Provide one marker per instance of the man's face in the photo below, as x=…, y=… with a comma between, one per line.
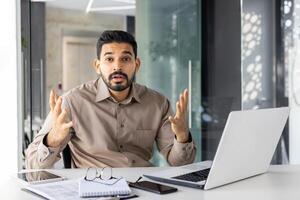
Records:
x=117, y=65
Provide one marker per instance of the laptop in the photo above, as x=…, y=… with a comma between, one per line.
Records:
x=246, y=148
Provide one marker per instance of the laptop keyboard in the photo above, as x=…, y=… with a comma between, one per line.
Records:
x=196, y=176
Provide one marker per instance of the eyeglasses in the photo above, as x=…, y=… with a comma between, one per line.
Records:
x=103, y=175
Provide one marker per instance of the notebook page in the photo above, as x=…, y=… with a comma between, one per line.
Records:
x=62, y=190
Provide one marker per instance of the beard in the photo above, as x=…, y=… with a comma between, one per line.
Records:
x=118, y=87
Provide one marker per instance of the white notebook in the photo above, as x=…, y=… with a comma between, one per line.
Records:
x=98, y=189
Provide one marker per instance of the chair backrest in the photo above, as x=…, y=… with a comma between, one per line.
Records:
x=66, y=154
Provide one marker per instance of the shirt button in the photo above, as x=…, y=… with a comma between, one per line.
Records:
x=122, y=125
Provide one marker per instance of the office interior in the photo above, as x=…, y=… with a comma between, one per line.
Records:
x=231, y=55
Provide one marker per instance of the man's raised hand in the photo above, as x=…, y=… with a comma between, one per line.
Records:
x=60, y=128
x=178, y=122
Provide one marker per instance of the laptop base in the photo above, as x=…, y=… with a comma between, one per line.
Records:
x=175, y=182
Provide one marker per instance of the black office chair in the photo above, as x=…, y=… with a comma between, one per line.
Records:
x=66, y=154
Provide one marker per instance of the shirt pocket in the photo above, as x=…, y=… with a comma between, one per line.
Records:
x=145, y=137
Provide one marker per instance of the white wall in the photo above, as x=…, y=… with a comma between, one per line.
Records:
x=292, y=60
x=8, y=88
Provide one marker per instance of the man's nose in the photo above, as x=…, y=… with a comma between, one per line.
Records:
x=117, y=65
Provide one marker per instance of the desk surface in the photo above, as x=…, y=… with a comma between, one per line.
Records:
x=281, y=182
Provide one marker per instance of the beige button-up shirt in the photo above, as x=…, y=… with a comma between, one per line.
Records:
x=110, y=133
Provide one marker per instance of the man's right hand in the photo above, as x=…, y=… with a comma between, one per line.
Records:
x=60, y=128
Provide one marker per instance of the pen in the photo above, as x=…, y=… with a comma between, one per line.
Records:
x=129, y=197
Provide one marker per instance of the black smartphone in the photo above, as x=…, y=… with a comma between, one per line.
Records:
x=153, y=187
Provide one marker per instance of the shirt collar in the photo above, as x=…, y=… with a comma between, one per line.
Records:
x=103, y=92
x=135, y=93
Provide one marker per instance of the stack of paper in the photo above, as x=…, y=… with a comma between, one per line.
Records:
x=79, y=188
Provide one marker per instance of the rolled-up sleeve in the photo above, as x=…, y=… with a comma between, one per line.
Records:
x=176, y=153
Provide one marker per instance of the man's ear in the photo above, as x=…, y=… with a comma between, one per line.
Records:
x=137, y=64
x=96, y=65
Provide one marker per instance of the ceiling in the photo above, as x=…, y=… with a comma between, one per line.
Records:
x=118, y=7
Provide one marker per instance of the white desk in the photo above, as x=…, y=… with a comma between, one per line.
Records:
x=281, y=182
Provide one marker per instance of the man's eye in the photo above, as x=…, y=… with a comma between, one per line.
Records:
x=109, y=59
x=126, y=59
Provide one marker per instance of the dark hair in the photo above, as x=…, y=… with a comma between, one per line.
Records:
x=116, y=36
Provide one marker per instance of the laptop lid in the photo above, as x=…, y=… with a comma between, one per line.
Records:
x=247, y=145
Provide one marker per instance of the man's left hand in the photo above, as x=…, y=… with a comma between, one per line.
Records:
x=178, y=122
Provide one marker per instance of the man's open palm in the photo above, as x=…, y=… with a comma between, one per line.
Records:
x=178, y=122
x=60, y=128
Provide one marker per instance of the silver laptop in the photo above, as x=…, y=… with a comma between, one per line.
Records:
x=246, y=148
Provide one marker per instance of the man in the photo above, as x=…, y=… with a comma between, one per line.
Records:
x=113, y=121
